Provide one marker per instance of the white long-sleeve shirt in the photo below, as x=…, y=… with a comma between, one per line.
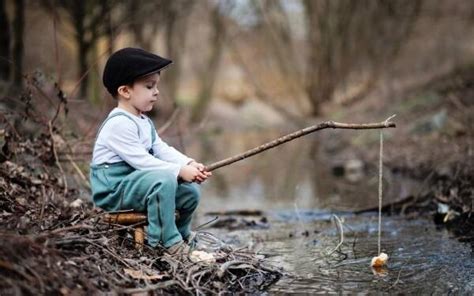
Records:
x=120, y=139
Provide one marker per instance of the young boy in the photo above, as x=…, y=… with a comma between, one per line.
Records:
x=132, y=168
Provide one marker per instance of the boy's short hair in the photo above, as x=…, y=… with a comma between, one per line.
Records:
x=127, y=64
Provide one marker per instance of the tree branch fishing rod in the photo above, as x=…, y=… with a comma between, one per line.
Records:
x=297, y=134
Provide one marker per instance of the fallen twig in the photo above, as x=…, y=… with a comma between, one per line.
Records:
x=396, y=281
x=56, y=158
x=341, y=233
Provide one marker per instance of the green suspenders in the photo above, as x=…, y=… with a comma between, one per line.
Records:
x=153, y=136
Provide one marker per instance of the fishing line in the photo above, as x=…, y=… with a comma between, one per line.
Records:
x=380, y=183
x=380, y=189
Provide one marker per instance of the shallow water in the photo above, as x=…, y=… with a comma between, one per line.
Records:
x=299, y=186
x=423, y=260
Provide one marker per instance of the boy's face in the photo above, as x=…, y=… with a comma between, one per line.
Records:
x=144, y=93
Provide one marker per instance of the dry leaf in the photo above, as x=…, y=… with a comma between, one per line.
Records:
x=201, y=256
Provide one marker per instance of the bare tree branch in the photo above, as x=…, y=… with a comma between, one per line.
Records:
x=297, y=134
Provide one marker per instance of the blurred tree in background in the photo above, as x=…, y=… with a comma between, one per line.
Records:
x=239, y=65
x=4, y=43
x=348, y=36
x=90, y=20
x=294, y=56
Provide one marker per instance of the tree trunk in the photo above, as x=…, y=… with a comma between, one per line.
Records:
x=345, y=37
x=175, y=35
x=83, y=51
x=321, y=80
x=109, y=31
x=212, y=67
x=136, y=25
x=18, y=42
x=4, y=43
x=83, y=47
x=320, y=72
x=173, y=49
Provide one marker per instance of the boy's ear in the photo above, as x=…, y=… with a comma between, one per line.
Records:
x=124, y=91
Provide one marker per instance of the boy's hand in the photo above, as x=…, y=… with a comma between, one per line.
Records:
x=197, y=165
x=201, y=168
x=191, y=173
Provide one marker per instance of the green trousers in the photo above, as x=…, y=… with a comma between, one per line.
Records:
x=121, y=187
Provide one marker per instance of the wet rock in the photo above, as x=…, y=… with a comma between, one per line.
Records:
x=430, y=124
x=352, y=170
x=241, y=223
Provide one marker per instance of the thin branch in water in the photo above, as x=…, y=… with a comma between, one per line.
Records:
x=341, y=233
x=397, y=280
x=206, y=224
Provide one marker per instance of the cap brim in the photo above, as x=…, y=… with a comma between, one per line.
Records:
x=157, y=70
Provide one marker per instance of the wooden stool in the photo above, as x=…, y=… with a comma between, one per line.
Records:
x=132, y=218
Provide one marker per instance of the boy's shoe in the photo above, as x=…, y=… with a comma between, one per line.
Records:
x=191, y=239
x=180, y=248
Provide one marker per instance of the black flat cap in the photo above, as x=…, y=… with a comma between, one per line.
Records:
x=127, y=64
